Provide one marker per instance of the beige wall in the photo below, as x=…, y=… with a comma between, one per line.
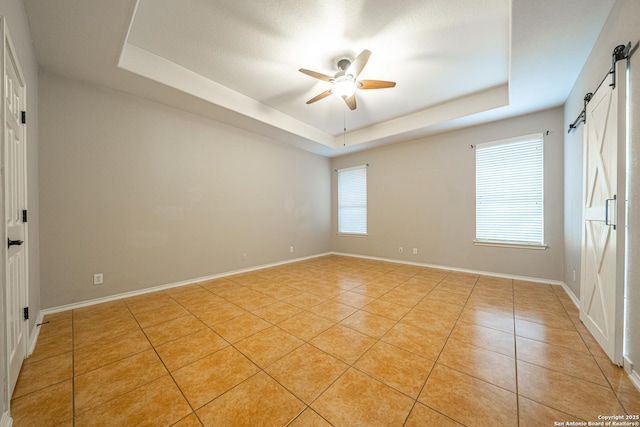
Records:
x=421, y=194
x=150, y=195
x=13, y=11
x=620, y=28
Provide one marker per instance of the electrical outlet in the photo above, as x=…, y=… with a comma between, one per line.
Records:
x=291, y=249
x=244, y=256
x=98, y=279
x=415, y=251
x=400, y=249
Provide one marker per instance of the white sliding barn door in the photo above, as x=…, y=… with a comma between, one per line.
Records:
x=15, y=202
x=602, y=285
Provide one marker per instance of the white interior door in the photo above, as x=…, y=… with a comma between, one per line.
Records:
x=601, y=290
x=15, y=202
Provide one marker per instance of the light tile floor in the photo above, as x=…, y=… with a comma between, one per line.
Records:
x=329, y=341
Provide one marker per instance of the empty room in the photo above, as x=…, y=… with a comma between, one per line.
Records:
x=320, y=213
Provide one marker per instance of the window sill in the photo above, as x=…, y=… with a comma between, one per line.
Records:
x=534, y=246
x=351, y=235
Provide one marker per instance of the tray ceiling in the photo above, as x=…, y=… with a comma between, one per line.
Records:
x=456, y=62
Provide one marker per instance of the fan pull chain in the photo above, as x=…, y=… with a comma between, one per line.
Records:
x=344, y=130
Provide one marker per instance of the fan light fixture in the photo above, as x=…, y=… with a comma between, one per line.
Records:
x=344, y=87
x=344, y=83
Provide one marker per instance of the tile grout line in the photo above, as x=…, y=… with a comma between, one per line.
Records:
x=547, y=368
x=306, y=406
x=593, y=356
x=333, y=281
x=73, y=369
x=515, y=350
x=349, y=366
x=352, y=365
x=588, y=353
x=448, y=337
x=193, y=411
x=415, y=401
x=424, y=384
x=119, y=360
x=230, y=344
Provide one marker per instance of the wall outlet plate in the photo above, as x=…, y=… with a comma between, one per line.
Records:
x=98, y=279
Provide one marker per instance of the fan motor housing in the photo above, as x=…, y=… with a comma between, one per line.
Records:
x=343, y=64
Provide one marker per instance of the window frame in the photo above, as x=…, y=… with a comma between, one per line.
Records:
x=351, y=232
x=514, y=243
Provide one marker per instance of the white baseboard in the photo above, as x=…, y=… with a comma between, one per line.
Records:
x=635, y=378
x=33, y=334
x=462, y=270
x=6, y=420
x=115, y=297
x=627, y=364
x=573, y=297
x=633, y=374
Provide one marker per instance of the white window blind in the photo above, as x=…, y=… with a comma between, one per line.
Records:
x=352, y=200
x=509, y=191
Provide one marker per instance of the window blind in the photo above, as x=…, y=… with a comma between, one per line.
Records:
x=352, y=200
x=509, y=191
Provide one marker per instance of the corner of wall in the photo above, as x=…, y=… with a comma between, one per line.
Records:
x=5, y=420
x=574, y=298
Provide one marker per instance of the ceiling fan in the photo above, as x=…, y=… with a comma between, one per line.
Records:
x=344, y=83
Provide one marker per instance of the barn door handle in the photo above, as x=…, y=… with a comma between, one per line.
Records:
x=606, y=211
x=14, y=243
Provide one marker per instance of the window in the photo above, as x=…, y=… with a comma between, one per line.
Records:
x=352, y=200
x=509, y=192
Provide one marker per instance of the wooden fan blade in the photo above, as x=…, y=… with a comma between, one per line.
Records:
x=351, y=102
x=375, y=84
x=319, y=96
x=358, y=64
x=316, y=75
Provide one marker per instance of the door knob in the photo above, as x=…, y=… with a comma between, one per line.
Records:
x=14, y=243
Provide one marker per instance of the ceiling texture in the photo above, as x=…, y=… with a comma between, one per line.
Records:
x=456, y=62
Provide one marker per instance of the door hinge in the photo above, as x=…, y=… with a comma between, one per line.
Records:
x=25, y=311
x=23, y=117
x=24, y=215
